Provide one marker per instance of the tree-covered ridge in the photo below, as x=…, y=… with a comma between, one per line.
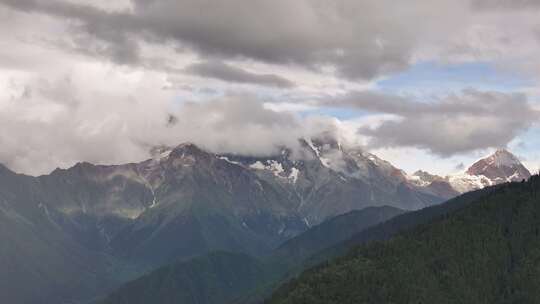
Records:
x=218, y=277
x=331, y=233
x=488, y=252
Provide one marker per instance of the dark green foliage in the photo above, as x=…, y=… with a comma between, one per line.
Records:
x=215, y=278
x=288, y=259
x=296, y=258
x=487, y=252
x=396, y=225
x=331, y=232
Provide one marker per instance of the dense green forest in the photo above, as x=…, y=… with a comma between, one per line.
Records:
x=487, y=252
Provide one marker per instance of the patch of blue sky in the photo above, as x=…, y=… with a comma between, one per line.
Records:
x=337, y=112
x=428, y=79
x=527, y=145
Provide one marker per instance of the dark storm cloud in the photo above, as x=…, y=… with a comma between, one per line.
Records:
x=225, y=72
x=358, y=38
x=95, y=31
x=455, y=124
x=361, y=39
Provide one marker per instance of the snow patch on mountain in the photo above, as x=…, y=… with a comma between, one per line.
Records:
x=273, y=166
x=257, y=166
x=417, y=180
x=312, y=146
x=161, y=152
x=465, y=182
x=225, y=158
x=294, y=175
x=423, y=178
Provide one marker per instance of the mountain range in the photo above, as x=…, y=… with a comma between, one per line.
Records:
x=485, y=252
x=224, y=277
x=331, y=239
x=78, y=233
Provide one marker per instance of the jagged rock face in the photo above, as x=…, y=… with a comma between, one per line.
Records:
x=201, y=203
x=500, y=167
x=326, y=179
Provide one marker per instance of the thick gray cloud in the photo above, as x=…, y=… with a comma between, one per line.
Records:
x=506, y=4
x=241, y=124
x=361, y=39
x=356, y=39
x=56, y=123
x=454, y=124
x=95, y=31
x=225, y=72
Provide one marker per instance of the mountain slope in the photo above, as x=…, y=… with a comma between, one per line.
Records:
x=331, y=232
x=487, y=252
x=247, y=204
x=38, y=259
x=326, y=179
x=336, y=236
x=273, y=268
x=215, y=278
x=114, y=221
x=203, y=203
x=379, y=232
x=399, y=224
x=77, y=233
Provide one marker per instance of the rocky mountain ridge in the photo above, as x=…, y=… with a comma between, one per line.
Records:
x=499, y=167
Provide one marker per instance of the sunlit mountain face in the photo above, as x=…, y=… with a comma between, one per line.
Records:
x=160, y=143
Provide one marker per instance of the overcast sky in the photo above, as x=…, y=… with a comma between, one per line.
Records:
x=425, y=84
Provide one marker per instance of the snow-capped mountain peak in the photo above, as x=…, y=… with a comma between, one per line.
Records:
x=501, y=166
x=501, y=158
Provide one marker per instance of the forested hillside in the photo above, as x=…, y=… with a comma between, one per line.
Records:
x=215, y=278
x=487, y=252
